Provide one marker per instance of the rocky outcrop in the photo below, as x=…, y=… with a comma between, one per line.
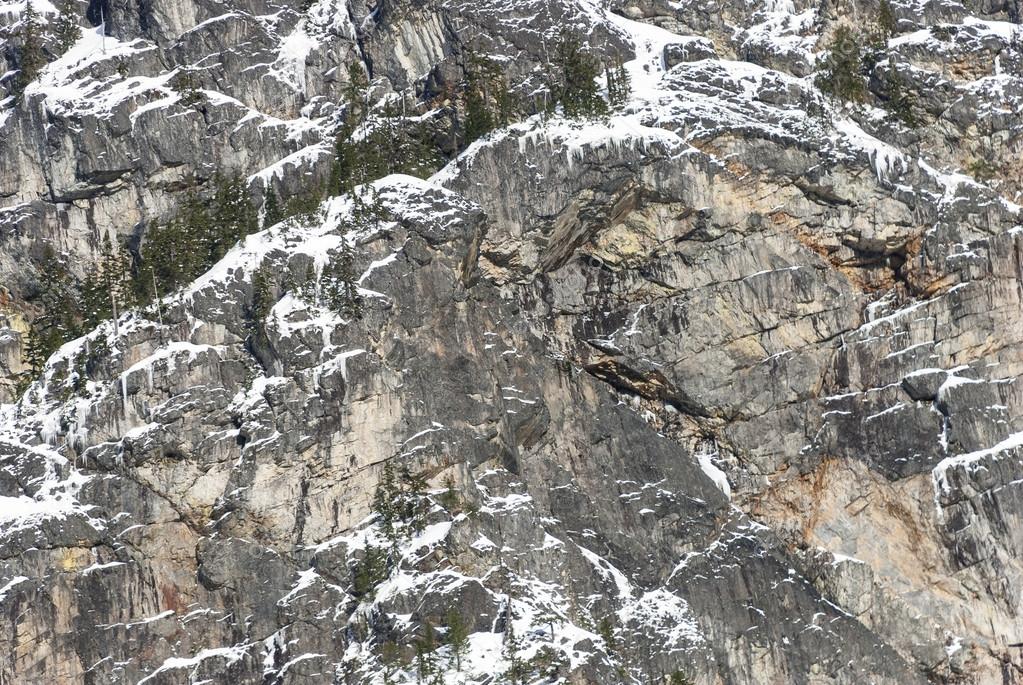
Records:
x=723, y=386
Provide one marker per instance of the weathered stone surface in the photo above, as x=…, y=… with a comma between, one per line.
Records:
x=727, y=383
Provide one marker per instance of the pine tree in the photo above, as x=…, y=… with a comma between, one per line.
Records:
x=547, y=662
x=547, y=618
x=874, y=43
x=107, y=290
x=400, y=500
x=58, y=298
x=168, y=257
x=389, y=657
x=189, y=89
x=273, y=213
x=839, y=72
x=488, y=102
x=369, y=571
x=95, y=304
x=385, y=499
x=619, y=84
x=307, y=290
x=338, y=288
x=345, y=171
x=479, y=121
x=886, y=23
x=421, y=159
x=36, y=350
x=262, y=295
x=413, y=501
x=607, y=632
x=366, y=213
x=354, y=94
x=899, y=100
x=679, y=678
x=577, y=89
x=449, y=499
x=517, y=671
x=426, y=661
x=306, y=205
x=234, y=216
x=31, y=58
x=457, y=636
x=67, y=29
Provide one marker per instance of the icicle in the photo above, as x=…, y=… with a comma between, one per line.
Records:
x=327, y=345
x=318, y=266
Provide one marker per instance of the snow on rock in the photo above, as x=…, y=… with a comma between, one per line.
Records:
x=972, y=461
x=665, y=615
x=717, y=476
x=886, y=160
x=229, y=655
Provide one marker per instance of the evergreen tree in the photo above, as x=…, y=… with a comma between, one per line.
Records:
x=169, y=256
x=886, y=23
x=414, y=504
x=517, y=671
x=107, y=289
x=304, y=206
x=31, y=58
x=839, y=72
x=417, y=151
x=426, y=660
x=344, y=168
x=457, y=636
x=307, y=289
x=389, y=657
x=875, y=43
x=59, y=301
x=547, y=662
x=390, y=143
x=338, y=288
x=488, y=102
x=385, y=500
x=479, y=121
x=366, y=213
x=369, y=571
x=449, y=499
x=273, y=213
x=262, y=295
x=199, y=235
x=233, y=217
x=346, y=171
x=607, y=632
x=400, y=500
x=67, y=29
x=619, y=84
x=576, y=89
x=189, y=89
x=899, y=100
x=547, y=618
x=679, y=678
x=355, y=93
x=36, y=350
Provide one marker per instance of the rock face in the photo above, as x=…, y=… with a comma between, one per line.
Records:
x=722, y=388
